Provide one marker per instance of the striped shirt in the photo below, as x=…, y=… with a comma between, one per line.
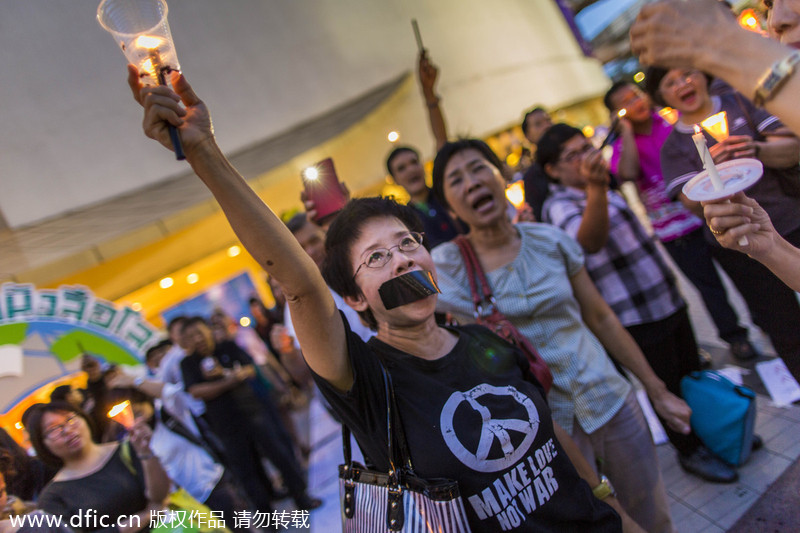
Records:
x=535, y=293
x=629, y=271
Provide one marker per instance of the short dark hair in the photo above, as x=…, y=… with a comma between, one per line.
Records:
x=33, y=423
x=448, y=151
x=60, y=393
x=396, y=152
x=537, y=109
x=7, y=469
x=151, y=352
x=177, y=321
x=652, y=80
x=551, y=145
x=610, y=93
x=297, y=222
x=193, y=320
x=337, y=268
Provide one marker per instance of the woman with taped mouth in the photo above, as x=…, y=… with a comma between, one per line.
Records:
x=470, y=408
x=540, y=283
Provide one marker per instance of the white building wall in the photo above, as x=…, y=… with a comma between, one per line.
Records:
x=71, y=134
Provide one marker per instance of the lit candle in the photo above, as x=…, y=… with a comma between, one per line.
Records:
x=717, y=126
x=122, y=414
x=669, y=114
x=515, y=193
x=705, y=156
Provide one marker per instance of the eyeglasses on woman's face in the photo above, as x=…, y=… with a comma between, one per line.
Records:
x=577, y=154
x=54, y=432
x=378, y=257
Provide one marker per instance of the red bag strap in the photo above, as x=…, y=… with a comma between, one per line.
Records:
x=475, y=275
x=463, y=248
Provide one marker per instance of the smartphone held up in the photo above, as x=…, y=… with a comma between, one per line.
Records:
x=322, y=186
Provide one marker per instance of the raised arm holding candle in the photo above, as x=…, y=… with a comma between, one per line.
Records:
x=142, y=32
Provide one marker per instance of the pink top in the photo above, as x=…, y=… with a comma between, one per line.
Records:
x=670, y=219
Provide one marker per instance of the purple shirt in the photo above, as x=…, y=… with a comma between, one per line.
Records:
x=670, y=219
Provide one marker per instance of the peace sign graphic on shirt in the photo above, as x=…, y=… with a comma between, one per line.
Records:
x=514, y=436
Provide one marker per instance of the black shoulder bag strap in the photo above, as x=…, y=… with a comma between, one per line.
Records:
x=398, y=456
x=176, y=426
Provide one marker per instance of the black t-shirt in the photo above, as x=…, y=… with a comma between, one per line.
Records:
x=115, y=490
x=436, y=223
x=234, y=405
x=477, y=416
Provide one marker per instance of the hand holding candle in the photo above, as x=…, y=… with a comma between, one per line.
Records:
x=708, y=163
x=141, y=30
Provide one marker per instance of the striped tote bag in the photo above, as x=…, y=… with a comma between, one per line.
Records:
x=398, y=500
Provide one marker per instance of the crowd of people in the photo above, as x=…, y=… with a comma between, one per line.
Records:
x=586, y=284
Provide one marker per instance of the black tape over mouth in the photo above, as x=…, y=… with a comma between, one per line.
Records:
x=407, y=288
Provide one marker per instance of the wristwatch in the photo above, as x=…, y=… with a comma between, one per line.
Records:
x=604, y=489
x=774, y=78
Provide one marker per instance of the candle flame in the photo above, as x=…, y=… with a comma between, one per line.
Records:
x=748, y=19
x=148, y=41
x=149, y=68
x=717, y=126
x=696, y=129
x=515, y=193
x=622, y=112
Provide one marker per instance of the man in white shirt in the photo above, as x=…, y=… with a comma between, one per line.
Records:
x=169, y=371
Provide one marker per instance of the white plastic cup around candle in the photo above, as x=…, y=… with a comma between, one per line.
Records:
x=141, y=30
x=122, y=413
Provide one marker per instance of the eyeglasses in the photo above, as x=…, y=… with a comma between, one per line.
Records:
x=380, y=256
x=631, y=98
x=569, y=157
x=58, y=430
x=670, y=83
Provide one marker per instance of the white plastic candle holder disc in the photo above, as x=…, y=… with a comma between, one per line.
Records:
x=736, y=175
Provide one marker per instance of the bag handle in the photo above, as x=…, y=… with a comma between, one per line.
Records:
x=395, y=514
x=397, y=444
